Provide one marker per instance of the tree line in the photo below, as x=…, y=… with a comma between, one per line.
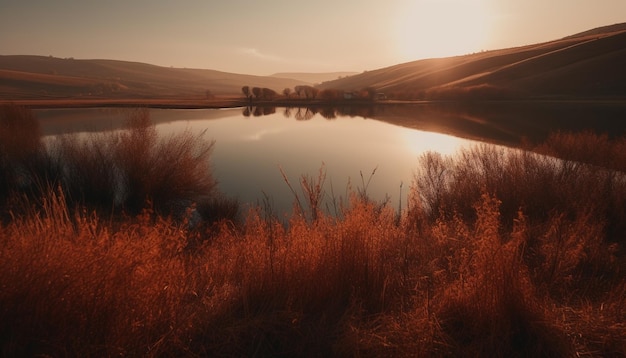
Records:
x=258, y=93
x=309, y=93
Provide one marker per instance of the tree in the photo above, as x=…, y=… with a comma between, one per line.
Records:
x=331, y=94
x=308, y=91
x=287, y=92
x=299, y=90
x=314, y=91
x=246, y=91
x=257, y=92
x=268, y=93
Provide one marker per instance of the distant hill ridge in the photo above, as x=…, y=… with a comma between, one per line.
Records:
x=25, y=76
x=599, y=31
x=589, y=64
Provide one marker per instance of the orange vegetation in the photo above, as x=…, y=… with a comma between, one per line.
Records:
x=498, y=253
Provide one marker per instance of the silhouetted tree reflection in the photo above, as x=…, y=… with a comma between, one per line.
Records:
x=258, y=111
x=356, y=111
x=307, y=113
x=328, y=113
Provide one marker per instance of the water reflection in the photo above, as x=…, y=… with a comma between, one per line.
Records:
x=251, y=152
x=258, y=111
x=507, y=123
x=308, y=112
x=254, y=143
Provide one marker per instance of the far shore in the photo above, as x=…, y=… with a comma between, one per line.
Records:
x=233, y=101
x=186, y=103
x=504, y=122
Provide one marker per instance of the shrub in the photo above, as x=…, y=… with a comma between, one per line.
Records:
x=110, y=172
x=135, y=167
x=89, y=173
x=537, y=184
x=20, y=151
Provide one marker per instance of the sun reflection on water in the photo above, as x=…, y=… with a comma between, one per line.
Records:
x=419, y=142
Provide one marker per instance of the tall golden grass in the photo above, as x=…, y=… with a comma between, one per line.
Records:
x=498, y=253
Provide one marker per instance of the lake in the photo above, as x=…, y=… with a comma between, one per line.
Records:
x=251, y=149
x=255, y=146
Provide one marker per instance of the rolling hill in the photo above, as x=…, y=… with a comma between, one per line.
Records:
x=589, y=65
x=28, y=77
x=314, y=78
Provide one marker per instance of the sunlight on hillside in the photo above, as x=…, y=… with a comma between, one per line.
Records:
x=428, y=29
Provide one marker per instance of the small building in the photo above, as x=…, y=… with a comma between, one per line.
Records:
x=349, y=95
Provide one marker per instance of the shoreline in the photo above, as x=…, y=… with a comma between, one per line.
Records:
x=229, y=102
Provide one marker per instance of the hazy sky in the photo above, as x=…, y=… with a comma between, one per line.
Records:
x=268, y=36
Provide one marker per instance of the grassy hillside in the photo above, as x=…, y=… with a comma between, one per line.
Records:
x=313, y=77
x=27, y=77
x=601, y=30
x=586, y=65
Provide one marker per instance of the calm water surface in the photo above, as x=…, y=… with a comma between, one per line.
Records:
x=251, y=151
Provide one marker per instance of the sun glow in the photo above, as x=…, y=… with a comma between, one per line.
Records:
x=441, y=28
